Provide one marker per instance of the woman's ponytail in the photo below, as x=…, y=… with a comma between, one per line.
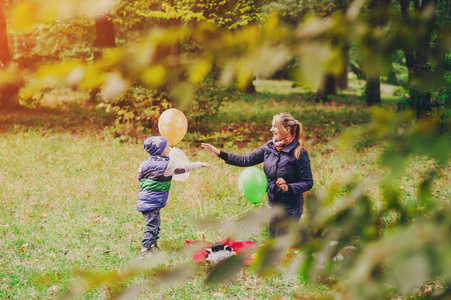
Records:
x=299, y=135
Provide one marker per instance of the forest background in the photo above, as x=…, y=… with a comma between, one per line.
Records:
x=82, y=83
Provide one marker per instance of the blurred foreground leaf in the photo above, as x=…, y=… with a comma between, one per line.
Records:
x=226, y=269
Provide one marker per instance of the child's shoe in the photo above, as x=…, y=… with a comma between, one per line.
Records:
x=148, y=252
x=154, y=247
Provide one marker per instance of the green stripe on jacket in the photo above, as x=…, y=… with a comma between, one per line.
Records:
x=152, y=185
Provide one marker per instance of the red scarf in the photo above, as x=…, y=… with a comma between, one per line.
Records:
x=281, y=144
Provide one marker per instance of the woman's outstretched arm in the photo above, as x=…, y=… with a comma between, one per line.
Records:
x=254, y=158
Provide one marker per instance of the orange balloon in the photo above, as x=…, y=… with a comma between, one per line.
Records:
x=172, y=125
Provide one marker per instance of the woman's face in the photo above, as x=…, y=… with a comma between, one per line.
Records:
x=279, y=132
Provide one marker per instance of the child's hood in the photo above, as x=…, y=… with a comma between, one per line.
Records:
x=155, y=145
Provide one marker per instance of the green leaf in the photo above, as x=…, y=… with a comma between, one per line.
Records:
x=391, y=196
x=409, y=272
x=395, y=161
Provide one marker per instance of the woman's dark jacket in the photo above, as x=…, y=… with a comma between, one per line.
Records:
x=296, y=172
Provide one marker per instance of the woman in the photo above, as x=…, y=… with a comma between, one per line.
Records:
x=287, y=167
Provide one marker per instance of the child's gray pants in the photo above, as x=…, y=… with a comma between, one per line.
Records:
x=153, y=221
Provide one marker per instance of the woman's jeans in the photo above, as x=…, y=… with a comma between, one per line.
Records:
x=277, y=224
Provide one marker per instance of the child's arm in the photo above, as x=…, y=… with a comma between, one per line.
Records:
x=174, y=168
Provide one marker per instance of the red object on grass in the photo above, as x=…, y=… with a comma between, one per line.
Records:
x=237, y=247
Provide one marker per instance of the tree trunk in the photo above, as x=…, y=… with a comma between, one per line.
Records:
x=417, y=59
x=328, y=85
x=326, y=88
x=105, y=32
x=357, y=71
x=422, y=102
x=9, y=95
x=5, y=56
x=251, y=88
x=342, y=81
x=8, y=92
x=105, y=38
x=373, y=91
x=373, y=82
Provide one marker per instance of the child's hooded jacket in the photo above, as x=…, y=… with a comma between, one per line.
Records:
x=154, y=186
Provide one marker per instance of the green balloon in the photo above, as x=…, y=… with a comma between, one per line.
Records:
x=253, y=184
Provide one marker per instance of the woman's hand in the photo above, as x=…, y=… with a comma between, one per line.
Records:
x=282, y=184
x=205, y=165
x=210, y=148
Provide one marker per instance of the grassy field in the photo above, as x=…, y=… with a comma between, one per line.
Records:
x=68, y=194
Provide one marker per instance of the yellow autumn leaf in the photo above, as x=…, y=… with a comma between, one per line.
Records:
x=198, y=70
x=249, y=36
x=58, y=74
x=110, y=57
x=92, y=78
x=244, y=76
x=272, y=25
x=154, y=76
x=24, y=16
x=58, y=70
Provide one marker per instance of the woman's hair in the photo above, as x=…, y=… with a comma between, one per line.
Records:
x=285, y=120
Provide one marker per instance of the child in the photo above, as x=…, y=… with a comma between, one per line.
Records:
x=155, y=175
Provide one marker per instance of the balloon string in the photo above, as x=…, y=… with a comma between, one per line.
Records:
x=233, y=217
